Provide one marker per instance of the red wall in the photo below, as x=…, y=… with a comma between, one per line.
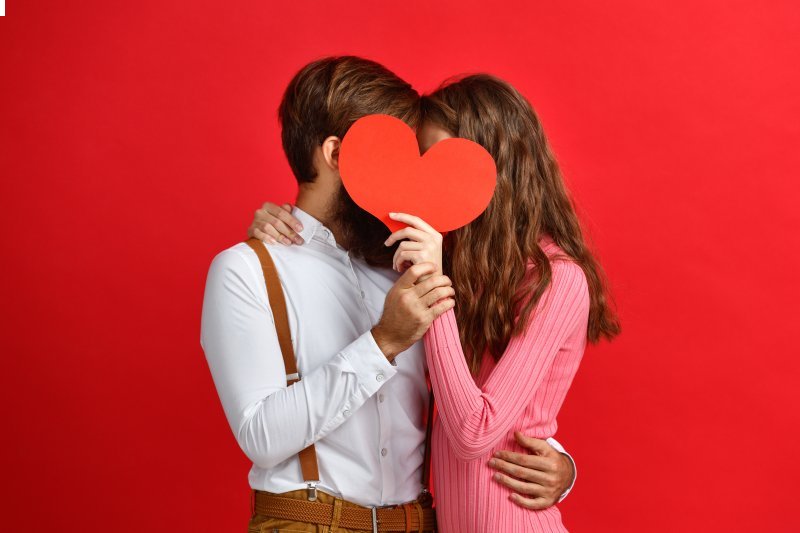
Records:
x=136, y=139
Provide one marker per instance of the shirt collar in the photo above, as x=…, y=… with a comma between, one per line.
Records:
x=313, y=228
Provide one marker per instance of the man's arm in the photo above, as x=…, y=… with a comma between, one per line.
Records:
x=271, y=421
x=539, y=479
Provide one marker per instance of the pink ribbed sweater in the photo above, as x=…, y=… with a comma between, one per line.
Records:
x=523, y=391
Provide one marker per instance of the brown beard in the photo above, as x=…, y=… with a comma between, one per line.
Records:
x=361, y=233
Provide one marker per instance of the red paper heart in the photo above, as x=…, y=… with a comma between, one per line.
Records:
x=382, y=170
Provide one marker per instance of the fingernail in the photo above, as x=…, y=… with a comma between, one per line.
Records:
x=298, y=240
x=497, y=477
x=392, y=215
x=492, y=462
x=299, y=227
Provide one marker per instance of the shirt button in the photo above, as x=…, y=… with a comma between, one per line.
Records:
x=384, y=451
x=380, y=398
x=379, y=377
x=346, y=412
x=363, y=295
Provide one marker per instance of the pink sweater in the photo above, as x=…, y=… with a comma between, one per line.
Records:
x=523, y=391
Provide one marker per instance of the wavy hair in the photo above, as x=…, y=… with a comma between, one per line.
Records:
x=489, y=259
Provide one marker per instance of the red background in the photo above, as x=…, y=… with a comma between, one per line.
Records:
x=136, y=139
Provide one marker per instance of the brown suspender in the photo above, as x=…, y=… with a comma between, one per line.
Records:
x=277, y=302
x=426, y=464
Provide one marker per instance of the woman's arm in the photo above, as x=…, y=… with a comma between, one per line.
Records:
x=475, y=418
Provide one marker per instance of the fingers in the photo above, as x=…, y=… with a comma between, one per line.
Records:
x=261, y=235
x=414, y=222
x=522, y=487
x=410, y=277
x=437, y=294
x=278, y=229
x=278, y=223
x=424, y=287
x=287, y=234
x=410, y=246
x=406, y=256
x=407, y=233
x=538, y=446
x=521, y=472
x=534, y=504
x=284, y=214
x=442, y=307
x=536, y=462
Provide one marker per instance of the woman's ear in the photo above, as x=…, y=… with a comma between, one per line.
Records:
x=330, y=152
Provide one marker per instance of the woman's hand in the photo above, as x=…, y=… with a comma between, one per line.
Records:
x=273, y=224
x=423, y=244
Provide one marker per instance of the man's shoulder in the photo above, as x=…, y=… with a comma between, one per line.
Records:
x=234, y=257
x=241, y=259
x=233, y=266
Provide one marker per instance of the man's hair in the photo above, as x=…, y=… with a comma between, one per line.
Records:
x=328, y=95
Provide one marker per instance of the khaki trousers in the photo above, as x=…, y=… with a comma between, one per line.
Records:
x=264, y=524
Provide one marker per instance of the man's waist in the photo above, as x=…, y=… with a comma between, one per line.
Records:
x=348, y=485
x=413, y=515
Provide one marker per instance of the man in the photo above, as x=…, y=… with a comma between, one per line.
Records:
x=343, y=448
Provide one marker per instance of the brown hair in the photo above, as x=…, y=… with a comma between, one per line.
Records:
x=530, y=200
x=326, y=96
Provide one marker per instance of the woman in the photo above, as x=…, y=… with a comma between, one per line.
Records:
x=529, y=294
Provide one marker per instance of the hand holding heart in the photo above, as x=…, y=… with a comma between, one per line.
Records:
x=422, y=243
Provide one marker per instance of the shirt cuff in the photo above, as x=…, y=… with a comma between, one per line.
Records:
x=369, y=363
x=557, y=445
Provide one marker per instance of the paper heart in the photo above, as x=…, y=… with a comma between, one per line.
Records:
x=382, y=170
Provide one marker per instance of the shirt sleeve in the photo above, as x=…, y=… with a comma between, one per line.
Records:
x=273, y=421
x=475, y=418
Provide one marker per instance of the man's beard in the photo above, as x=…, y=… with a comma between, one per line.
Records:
x=361, y=233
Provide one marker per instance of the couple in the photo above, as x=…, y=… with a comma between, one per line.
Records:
x=338, y=443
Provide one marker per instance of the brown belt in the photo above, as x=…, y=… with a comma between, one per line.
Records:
x=407, y=517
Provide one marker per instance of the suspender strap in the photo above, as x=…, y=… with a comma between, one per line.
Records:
x=277, y=302
x=426, y=465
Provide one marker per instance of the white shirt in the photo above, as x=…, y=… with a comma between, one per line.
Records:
x=364, y=414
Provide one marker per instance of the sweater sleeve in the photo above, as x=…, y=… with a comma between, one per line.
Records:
x=475, y=418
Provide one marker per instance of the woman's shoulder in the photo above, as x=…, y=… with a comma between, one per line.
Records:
x=553, y=251
x=551, y=248
x=565, y=270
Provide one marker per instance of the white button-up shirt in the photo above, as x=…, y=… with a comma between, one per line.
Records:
x=370, y=448
x=364, y=414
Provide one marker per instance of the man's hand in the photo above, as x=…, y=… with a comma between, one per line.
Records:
x=539, y=479
x=273, y=224
x=410, y=307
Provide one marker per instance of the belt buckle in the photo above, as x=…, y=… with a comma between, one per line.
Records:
x=374, y=520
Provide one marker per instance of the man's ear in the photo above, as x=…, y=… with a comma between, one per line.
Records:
x=330, y=152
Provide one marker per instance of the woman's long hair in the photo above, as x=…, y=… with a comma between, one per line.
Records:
x=488, y=259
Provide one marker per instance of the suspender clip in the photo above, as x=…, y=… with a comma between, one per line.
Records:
x=312, y=491
x=374, y=520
